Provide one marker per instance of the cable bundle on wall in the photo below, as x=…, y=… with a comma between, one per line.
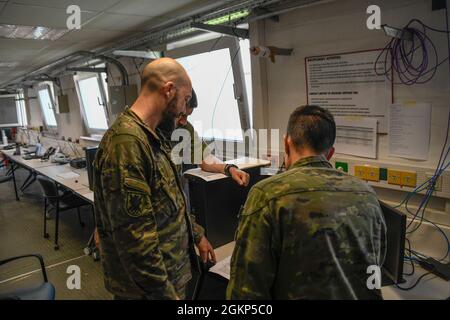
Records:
x=412, y=57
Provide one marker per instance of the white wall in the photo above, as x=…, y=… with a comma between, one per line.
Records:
x=341, y=27
x=336, y=27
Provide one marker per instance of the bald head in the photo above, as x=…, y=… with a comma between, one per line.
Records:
x=160, y=71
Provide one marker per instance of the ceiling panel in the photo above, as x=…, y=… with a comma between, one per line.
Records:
x=38, y=16
x=149, y=8
x=85, y=5
x=118, y=22
x=22, y=44
x=105, y=22
x=92, y=34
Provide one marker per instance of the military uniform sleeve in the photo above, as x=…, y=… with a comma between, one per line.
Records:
x=254, y=259
x=128, y=200
x=197, y=230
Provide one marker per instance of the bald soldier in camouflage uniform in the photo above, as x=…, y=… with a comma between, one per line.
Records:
x=312, y=231
x=145, y=232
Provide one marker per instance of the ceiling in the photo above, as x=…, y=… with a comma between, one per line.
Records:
x=102, y=23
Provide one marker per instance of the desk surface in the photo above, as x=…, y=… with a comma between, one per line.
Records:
x=31, y=164
x=56, y=172
x=431, y=287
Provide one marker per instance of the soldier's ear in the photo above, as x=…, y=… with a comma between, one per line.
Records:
x=168, y=89
x=330, y=153
x=286, y=145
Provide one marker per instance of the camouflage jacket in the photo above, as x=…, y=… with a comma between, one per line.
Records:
x=308, y=233
x=144, y=230
x=194, y=145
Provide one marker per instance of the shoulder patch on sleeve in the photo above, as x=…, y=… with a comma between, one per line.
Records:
x=137, y=202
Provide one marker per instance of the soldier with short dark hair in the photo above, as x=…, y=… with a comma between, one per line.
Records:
x=312, y=231
x=197, y=146
x=146, y=234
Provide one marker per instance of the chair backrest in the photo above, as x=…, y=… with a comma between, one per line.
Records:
x=48, y=187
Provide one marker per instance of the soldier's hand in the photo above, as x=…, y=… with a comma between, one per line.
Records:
x=241, y=177
x=206, y=250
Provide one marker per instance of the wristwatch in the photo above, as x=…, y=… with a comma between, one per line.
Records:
x=227, y=168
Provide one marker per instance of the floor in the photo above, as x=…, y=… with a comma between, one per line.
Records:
x=21, y=230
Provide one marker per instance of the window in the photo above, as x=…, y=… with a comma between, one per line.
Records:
x=47, y=106
x=92, y=98
x=212, y=78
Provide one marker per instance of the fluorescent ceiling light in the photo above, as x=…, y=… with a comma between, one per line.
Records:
x=228, y=17
x=11, y=31
x=138, y=54
x=192, y=40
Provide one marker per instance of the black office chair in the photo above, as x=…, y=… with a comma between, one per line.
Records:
x=8, y=177
x=59, y=200
x=45, y=291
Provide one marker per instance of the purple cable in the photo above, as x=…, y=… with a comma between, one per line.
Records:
x=414, y=62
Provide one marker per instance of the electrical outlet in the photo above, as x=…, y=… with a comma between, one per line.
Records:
x=409, y=179
x=395, y=177
x=360, y=172
x=438, y=184
x=372, y=173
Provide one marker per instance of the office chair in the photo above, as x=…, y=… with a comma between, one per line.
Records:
x=9, y=177
x=60, y=201
x=45, y=291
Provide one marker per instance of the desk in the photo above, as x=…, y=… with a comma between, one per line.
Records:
x=215, y=200
x=75, y=184
x=431, y=287
x=79, y=185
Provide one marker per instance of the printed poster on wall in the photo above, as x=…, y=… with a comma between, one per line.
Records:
x=348, y=85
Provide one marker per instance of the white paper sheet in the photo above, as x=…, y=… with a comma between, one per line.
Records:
x=356, y=136
x=242, y=163
x=409, y=130
x=347, y=85
x=222, y=268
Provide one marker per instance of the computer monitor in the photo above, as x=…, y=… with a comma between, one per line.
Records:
x=90, y=156
x=392, y=268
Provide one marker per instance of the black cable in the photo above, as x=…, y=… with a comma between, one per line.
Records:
x=215, y=43
x=410, y=258
x=415, y=284
x=220, y=92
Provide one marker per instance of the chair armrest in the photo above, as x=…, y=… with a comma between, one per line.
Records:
x=38, y=256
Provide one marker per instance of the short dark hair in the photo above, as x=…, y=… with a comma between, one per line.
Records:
x=193, y=103
x=312, y=127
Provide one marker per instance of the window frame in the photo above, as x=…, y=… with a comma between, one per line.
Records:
x=46, y=86
x=84, y=76
x=22, y=109
x=18, y=123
